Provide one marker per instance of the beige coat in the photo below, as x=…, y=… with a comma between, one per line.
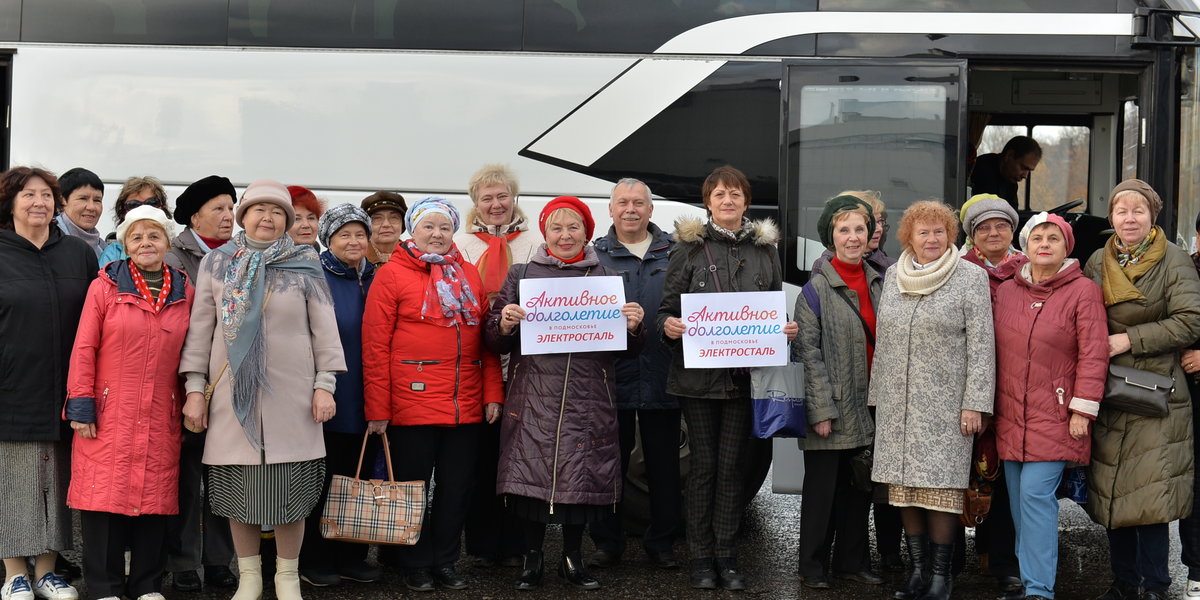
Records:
x=301, y=339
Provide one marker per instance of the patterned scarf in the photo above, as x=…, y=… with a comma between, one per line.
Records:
x=139, y=281
x=241, y=307
x=493, y=264
x=1131, y=256
x=1117, y=282
x=729, y=233
x=449, y=298
x=983, y=259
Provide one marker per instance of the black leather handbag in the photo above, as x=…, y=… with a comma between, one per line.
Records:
x=1137, y=392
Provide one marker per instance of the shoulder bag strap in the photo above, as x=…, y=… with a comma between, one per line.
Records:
x=866, y=330
x=712, y=267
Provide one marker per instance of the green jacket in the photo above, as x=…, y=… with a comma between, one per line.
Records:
x=833, y=349
x=1141, y=471
x=750, y=264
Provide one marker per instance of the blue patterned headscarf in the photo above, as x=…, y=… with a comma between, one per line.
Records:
x=431, y=205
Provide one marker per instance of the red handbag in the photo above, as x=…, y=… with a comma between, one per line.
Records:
x=985, y=468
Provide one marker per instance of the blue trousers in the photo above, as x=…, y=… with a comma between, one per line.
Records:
x=1031, y=493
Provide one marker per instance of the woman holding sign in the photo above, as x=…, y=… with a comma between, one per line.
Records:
x=837, y=309
x=559, y=456
x=932, y=381
x=729, y=253
x=428, y=375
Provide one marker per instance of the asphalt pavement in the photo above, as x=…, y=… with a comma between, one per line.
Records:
x=768, y=556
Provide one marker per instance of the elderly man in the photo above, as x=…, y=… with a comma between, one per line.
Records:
x=1000, y=173
x=637, y=249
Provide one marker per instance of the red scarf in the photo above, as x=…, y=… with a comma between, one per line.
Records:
x=144, y=290
x=569, y=261
x=856, y=279
x=493, y=269
x=212, y=243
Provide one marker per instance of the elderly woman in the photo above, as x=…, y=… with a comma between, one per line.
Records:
x=386, y=210
x=46, y=274
x=83, y=203
x=263, y=340
x=308, y=215
x=716, y=402
x=990, y=223
x=430, y=378
x=123, y=402
x=497, y=235
x=836, y=313
x=137, y=191
x=560, y=459
x=1141, y=473
x=1051, y=363
x=344, y=230
x=196, y=537
x=930, y=401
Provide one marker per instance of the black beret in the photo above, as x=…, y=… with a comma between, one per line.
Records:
x=837, y=205
x=196, y=195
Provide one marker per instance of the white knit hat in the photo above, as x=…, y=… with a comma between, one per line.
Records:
x=146, y=212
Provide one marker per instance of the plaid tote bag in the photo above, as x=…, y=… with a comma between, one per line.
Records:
x=374, y=511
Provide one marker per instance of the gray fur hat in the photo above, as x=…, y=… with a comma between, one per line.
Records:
x=339, y=216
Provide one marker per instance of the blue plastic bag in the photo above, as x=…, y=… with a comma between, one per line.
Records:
x=777, y=399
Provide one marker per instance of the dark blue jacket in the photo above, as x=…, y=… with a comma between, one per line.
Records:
x=642, y=381
x=349, y=289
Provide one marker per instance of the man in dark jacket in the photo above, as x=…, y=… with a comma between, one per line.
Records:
x=637, y=249
x=1000, y=173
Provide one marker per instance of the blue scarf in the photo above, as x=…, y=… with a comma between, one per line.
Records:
x=241, y=312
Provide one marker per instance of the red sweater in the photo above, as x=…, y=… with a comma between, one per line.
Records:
x=856, y=279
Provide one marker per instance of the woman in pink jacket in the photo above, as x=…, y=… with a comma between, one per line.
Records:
x=1051, y=364
x=124, y=402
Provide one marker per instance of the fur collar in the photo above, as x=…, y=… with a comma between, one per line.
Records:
x=692, y=230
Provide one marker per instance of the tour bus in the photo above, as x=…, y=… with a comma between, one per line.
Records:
x=807, y=97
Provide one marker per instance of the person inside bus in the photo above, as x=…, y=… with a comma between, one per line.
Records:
x=637, y=249
x=196, y=536
x=83, y=195
x=1000, y=173
x=386, y=210
x=308, y=214
x=136, y=191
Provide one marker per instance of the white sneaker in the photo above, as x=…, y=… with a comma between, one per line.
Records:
x=110, y=598
x=1192, y=590
x=16, y=588
x=151, y=596
x=52, y=587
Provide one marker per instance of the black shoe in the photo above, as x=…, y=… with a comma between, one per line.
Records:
x=729, y=576
x=449, y=578
x=815, y=582
x=603, y=558
x=1153, y=595
x=531, y=571
x=419, y=580
x=892, y=563
x=1036, y=597
x=220, y=576
x=1018, y=594
x=942, y=583
x=920, y=572
x=1119, y=590
x=864, y=576
x=482, y=562
x=361, y=572
x=320, y=577
x=515, y=560
x=572, y=569
x=663, y=560
x=1008, y=583
x=702, y=576
x=186, y=581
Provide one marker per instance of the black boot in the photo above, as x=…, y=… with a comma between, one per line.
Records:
x=920, y=573
x=1119, y=590
x=942, y=581
x=531, y=572
x=572, y=569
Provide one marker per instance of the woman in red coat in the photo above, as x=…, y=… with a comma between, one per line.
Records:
x=124, y=403
x=428, y=376
x=1051, y=364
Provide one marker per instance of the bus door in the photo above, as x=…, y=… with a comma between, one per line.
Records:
x=897, y=126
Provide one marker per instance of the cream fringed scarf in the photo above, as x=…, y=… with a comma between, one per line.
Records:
x=922, y=282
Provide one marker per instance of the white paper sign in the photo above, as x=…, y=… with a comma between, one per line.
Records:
x=572, y=314
x=734, y=329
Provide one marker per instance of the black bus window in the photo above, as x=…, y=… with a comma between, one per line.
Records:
x=185, y=22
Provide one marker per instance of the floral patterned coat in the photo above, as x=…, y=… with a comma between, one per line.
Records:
x=934, y=358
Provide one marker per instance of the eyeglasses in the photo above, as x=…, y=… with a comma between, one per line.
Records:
x=1001, y=227
x=154, y=201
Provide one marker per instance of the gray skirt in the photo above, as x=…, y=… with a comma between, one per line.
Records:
x=266, y=494
x=34, y=517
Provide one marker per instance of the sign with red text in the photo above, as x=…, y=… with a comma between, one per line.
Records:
x=572, y=314
x=734, y=329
